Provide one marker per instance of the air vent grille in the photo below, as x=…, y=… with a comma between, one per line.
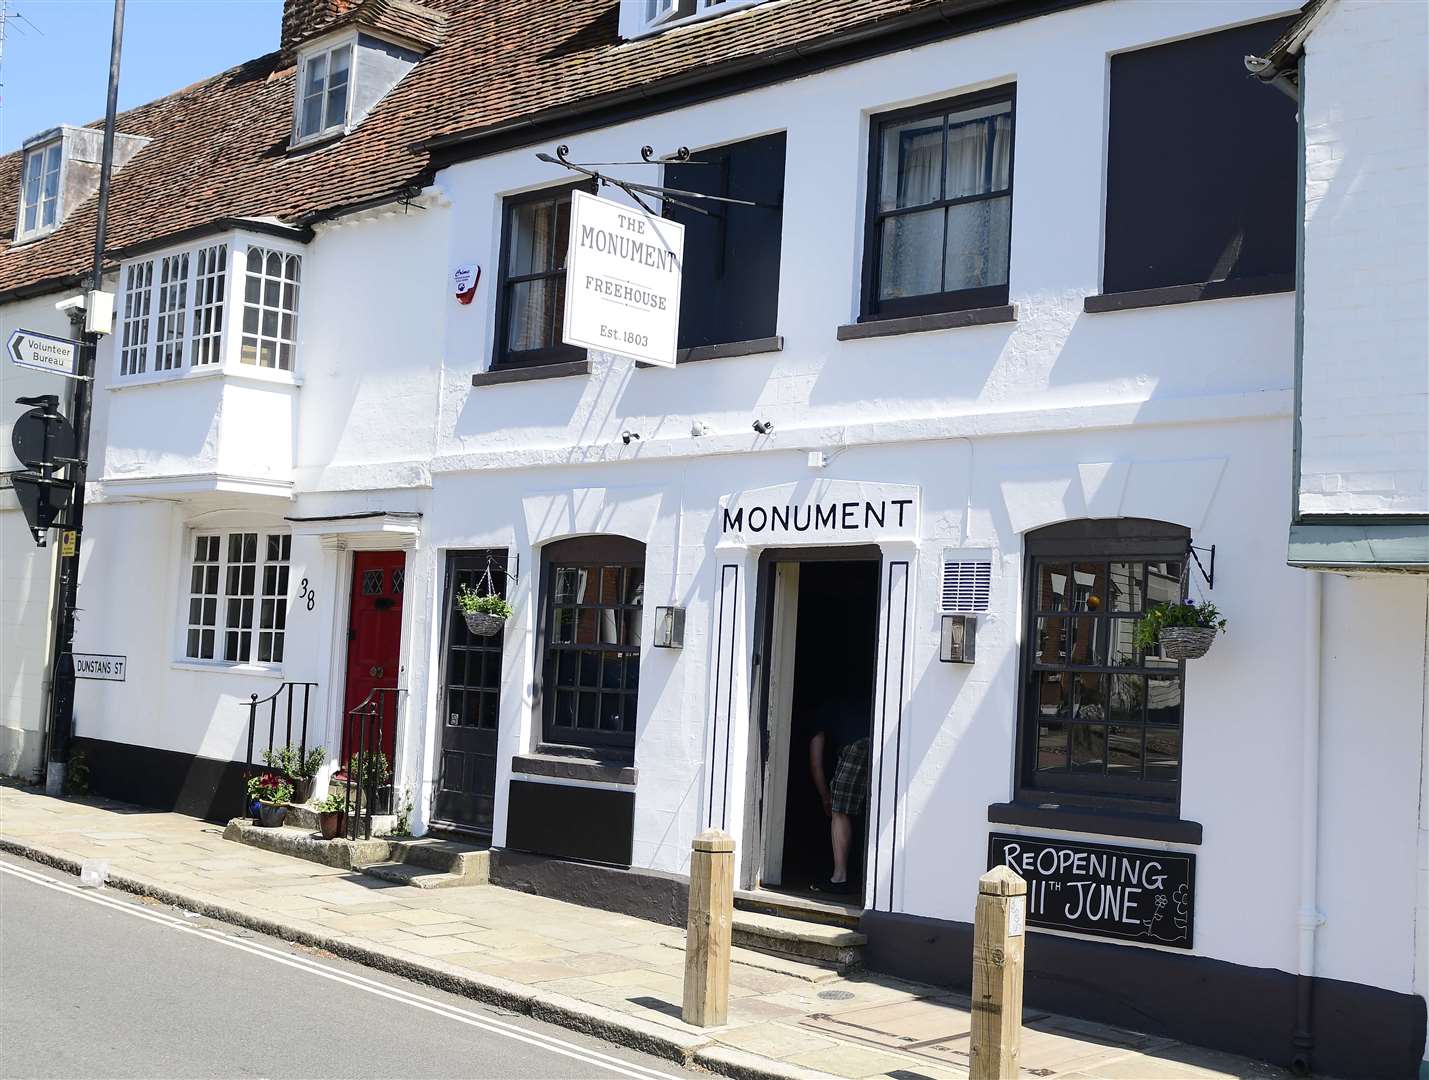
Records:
x=967, y=585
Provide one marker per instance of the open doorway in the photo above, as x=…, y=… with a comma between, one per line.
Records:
x=823, y=632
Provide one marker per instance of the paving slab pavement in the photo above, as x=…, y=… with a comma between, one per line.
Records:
x=595, y=971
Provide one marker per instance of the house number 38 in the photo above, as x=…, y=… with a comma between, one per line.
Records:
x=306, y=594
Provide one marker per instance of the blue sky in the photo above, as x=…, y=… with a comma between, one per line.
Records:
x=57, y=74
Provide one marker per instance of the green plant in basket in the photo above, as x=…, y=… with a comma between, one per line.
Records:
x=1163, y=616
x=471, y=602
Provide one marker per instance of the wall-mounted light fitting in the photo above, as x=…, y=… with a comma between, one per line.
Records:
x=957, y=644
x=669, y=627
x=698, y=428
x=627, y=437
x=764, y=427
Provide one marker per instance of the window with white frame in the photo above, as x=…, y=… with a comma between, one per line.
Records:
x=173, y=303
x=270, y=308
x=210, y=276
x=656, y=13
x=248, y=572
x=40, y=189
x=322, y=100
x=172, y=310
x=134, y=333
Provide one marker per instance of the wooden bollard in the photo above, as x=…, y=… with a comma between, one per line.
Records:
x=998, y=935
x=707, y=940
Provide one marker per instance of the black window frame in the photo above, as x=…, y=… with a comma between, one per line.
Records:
x=502, y=357
x=471, y=567
x=585, y=551
x=1091, y=541
x=871, y=307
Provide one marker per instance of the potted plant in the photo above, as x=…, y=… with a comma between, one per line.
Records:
x=331, y=816
x=1183, y=631
x=485, y=614
x=300, y=769
x=371, y=767
x=271, y=794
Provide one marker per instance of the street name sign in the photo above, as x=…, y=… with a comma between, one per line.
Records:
x=623, y=272
x=99, y=666
x=42, y=352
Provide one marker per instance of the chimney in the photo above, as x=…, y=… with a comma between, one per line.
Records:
x=302, y=17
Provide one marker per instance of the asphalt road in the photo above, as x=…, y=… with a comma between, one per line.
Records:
x=94, y=983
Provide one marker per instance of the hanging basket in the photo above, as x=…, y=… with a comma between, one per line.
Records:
x=483, y=625
x=1186, y=642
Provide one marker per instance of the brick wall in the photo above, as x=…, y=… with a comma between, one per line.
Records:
x=301, y=17
x=1365, y=411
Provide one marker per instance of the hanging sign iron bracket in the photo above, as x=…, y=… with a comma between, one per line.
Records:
x=1209, y=575
x=672, y=196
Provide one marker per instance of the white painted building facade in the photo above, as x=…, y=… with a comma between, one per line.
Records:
x=1301, y=739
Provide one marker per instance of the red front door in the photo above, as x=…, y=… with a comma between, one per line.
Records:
x=374, y=643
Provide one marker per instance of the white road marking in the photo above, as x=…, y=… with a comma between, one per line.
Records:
x=371, y=986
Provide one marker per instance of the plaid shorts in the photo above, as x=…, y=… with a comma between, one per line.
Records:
x=850, y=787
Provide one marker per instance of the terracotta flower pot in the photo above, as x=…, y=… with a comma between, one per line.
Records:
x=331, y=823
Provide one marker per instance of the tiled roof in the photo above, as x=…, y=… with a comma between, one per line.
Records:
x=399, y=18
x=219, y=148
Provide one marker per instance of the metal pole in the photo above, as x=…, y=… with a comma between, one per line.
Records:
x=61, y=659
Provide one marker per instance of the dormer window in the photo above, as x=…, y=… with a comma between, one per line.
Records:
x=650, y=15
x=40, y=194
x=322, y=106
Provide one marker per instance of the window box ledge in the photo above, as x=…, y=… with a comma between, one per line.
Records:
x=752, y=347
x=1189, y=294
x=1082, y=819
x=497, y=376
x=218, y=667
x=561, y=767
x=919, y=324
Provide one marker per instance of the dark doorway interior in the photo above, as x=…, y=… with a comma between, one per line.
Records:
x=834, y=653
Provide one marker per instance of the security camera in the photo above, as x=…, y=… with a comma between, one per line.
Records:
x=764, y=427
x=70, y=303
x=698, y=428
x=629, y=436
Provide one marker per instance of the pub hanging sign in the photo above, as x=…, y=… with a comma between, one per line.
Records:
x=1132, y=894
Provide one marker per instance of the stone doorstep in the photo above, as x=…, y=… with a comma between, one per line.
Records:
x=420, y=877
x=469, y=862
x=305, y=844
x=803, y=908
x=305, y=816
x=425, y=864
x=796, y=938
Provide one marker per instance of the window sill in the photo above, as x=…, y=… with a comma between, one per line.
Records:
x=562, y=767
x=257, y=376
x=920, y=324
x=752, y=347
x=319, y=139
x=496, y=376
x=1189, y=294
x=1114, y=823
x=256, y=671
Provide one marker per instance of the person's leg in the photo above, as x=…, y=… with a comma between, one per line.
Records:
x=841, y=832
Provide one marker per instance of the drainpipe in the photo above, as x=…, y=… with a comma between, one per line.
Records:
x=1309, y=918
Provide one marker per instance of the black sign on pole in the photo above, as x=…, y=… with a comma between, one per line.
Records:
x=1132, y=894
x=45, y=442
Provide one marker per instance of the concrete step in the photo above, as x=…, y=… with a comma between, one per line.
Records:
x=804, y=908
x=305, y=816
x=420, y=877
x=470, y=862
x=834, y=945
x=307, y=844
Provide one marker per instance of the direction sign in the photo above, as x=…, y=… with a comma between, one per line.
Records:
x=44, y=353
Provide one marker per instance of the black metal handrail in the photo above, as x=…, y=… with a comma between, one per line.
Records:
x=364, y=759
x=254, y=703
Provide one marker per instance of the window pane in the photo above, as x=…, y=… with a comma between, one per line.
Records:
x=312, y=121
x=1051, y=587
x=1052, y=695
x=531, y=240
x=1083, y=648
x=1123, y=748
x=635, y=585
x=1127, y=695
x=1090, y=697
x=610, y=584
x=563, y=234
x=337, y=89
x=977, y=244
x=912, y=163
x=1122, y=643
x=1163, y=754
x=912, y=255
x=529, y=315
x=979, y=150
x=1163, y=583
x=1126, y=583
x=1163, y=701
x=1088, y=586
x=1051, y=747
x=564, y=632
x=317, y=74
x=568, y=580
x=1088, y=747
x=1051, y=641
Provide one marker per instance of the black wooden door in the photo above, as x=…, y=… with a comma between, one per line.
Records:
x=471, y=695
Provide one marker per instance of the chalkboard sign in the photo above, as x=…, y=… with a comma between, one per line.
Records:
x=1128, y=893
